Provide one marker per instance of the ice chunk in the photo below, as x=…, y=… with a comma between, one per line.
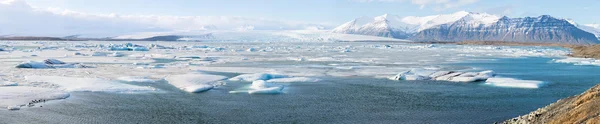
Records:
x=270, y=90
x=293, y=79
x=137, y=79
x=579, y=61
x=13, y=108
x=448, y=76
x=32, y=64
x=53, y=61
x=424, y=74
x=10, y=97
x=7, y=83
x=89, y=84
x=262, y=87
x=515, y=83
x=257, y=76
x=194, y=82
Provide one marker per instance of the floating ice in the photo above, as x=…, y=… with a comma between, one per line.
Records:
x=261, y=87
x=257, y=76
x=139, y=79
x=127, y=47
x=194, y=82
x=89, y=84
x=293, y=79
x=8, y=83
x=51, y=63
x=32, y=64
x=515, y=83
x=578, y=61
x=424, y=74
x=13, y=98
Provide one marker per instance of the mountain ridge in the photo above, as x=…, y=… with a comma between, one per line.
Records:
x=472, y=26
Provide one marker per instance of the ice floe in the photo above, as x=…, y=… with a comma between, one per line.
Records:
x=51, y=63
x=195, y=82
x=8, y=83
x=453, y=76
x=261, y=87
x=578, y=61
x=127, y=47
x=136, y=79
x=293, y=79
x=257, y=76
x=514, y=83
x=72, y=84
x=13, y=98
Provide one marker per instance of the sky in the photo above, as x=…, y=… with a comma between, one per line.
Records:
x=117, y=17
x=332, y=11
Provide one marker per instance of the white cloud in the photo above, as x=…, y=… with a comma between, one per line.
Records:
x=19, y=18
x=444, y=4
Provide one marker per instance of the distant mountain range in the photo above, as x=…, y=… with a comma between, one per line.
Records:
x=469, y=26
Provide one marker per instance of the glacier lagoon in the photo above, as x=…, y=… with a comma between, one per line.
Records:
x=353, y=83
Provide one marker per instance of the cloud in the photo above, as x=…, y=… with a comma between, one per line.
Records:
x=19, y=18
x=439, y=4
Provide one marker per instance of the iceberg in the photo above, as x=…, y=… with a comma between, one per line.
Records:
x=140, y=79
x=453, y=76
x=261, y=87
x=514, y=83
x=578, y=61
x=293, y=79
x=7, y=83
x=257, y=76
x=51, y=63
x=32, y=64
x=71, y=84
x=195, y=82
x=127, y=47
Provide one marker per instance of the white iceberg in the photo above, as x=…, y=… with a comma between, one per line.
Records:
x=261, y=87
x=293, y=79
x=424, y=74
x=257, y=76
x=578, y=61
x=32, y=64
x=515, y=83
x=51, y=63
x=138, y=79
x=8, y=83
x=194, y=82
x=89, y=84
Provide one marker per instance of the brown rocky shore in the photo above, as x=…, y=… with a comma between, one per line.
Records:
x=580, y=109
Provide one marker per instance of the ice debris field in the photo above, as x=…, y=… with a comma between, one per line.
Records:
x=40, y=71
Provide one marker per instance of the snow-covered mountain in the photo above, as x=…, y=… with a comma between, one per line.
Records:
x=384, y=26
x=462, y=25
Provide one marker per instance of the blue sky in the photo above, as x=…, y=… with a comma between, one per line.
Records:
x=331, y=11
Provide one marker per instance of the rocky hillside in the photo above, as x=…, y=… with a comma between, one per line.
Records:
x=590, y=51
x=579, y=109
